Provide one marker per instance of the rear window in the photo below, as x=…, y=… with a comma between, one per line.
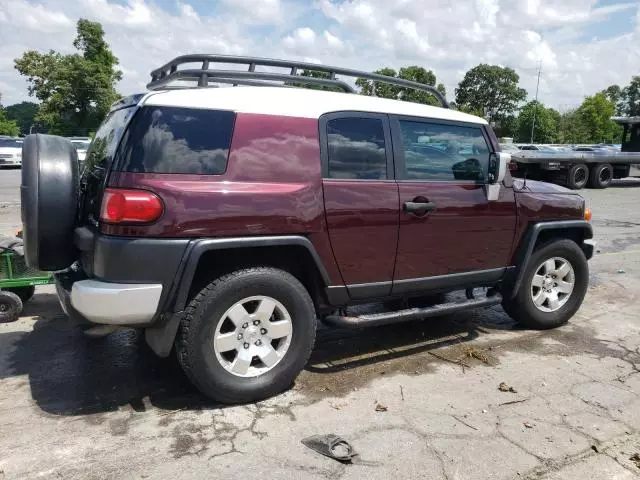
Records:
x=177, y=140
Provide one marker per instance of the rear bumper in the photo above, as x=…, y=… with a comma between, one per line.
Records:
x=93, y=301
x=116, y=303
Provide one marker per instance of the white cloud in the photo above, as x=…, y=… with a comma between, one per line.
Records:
x=447, y=37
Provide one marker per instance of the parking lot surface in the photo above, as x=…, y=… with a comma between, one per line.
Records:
x=416, y=400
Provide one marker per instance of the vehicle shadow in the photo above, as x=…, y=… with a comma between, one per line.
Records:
x=338, y=350
x=629, y=182
x=70, y=374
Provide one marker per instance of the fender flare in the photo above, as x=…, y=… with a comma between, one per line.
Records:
x=525, y=249
x=161, y=335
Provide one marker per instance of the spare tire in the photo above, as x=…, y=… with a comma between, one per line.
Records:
x=49, y=198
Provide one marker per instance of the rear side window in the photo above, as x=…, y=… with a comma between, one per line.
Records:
x=444, y=152
x=177, y=140
x=356, y=149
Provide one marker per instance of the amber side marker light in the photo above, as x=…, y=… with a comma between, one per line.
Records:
x=587, y=214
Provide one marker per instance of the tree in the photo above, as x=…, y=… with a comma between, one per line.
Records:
x=316, y=74
x=412, y=73
x=613, y=93
x=571, y=129
x=490, y=90
x=76, y=90
x=594, y=115
x=546, y=123
x=8, y=127
x=630, y=98
x=24, y=114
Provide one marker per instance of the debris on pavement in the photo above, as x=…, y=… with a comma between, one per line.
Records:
x=381, y=408
x=635, y=458
x=477, y=353
x=528, y=425
x=331, y=446
x=513, y=401
x=401, y=393
x=503, y=387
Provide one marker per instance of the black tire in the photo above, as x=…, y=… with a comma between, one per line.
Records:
x=194, y=340
x=49, y=197
x=577, y=176
x=522, y=309
x=601, y=176
x=25, y=293
x=10, y=307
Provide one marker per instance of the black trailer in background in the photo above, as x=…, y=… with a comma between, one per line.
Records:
x=579, y=169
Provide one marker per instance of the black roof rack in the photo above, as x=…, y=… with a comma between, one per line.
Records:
x=162, y=77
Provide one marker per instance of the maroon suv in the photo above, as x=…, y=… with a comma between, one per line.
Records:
x=228, y=221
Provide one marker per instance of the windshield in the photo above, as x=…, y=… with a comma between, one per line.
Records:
x=10, y=143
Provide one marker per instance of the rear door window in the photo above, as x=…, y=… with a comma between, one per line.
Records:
x=177, y=140
x=356, y=149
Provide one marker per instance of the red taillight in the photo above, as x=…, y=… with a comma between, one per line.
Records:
x=130, y=206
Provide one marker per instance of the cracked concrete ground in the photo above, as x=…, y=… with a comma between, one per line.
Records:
x=71, y=407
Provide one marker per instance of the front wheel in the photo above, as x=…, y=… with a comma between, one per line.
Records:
x=247, y=335
x=554, y=285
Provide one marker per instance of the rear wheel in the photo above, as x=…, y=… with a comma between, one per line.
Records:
x=553, y=287
x=601, y=176
x=10, y=307
x=577, y=176
x=247, y=335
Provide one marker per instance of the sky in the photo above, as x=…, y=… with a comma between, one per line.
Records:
x=583, y=45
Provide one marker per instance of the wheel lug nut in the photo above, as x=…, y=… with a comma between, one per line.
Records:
x=240, y=336
x=245, y=325
x=263, y=331
x=256, y=322
x=258, y=343
x=246, y=345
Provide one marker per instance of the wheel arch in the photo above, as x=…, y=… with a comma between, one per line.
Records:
x=541, y=232
x=210, y=258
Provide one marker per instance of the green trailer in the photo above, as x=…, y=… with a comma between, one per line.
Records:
x=17, y=283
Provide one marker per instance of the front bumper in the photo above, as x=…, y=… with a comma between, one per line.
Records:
x=588, y=247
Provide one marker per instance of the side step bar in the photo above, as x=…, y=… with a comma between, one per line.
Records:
x=385, y=318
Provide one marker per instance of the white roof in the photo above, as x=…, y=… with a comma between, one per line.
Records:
x=296, y=102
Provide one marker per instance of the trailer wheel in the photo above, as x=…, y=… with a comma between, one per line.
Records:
x=10, y=307
x=577, y=176
x=601, y=176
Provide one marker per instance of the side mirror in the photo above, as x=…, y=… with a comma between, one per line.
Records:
x=498, y=165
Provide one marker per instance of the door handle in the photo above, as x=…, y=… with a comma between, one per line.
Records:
x=419, y=208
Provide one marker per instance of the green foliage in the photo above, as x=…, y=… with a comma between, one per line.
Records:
x=76, y=90
x=546, y=123
x=630, y=98
x=24, y=114
x=316, y=74
x=594, y=117
x=491, y=90
x=571, y=129
x=8, y=127
x=413, y=73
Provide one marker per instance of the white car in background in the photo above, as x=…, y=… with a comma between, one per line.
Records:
x=10, y=152
x=82, y=145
